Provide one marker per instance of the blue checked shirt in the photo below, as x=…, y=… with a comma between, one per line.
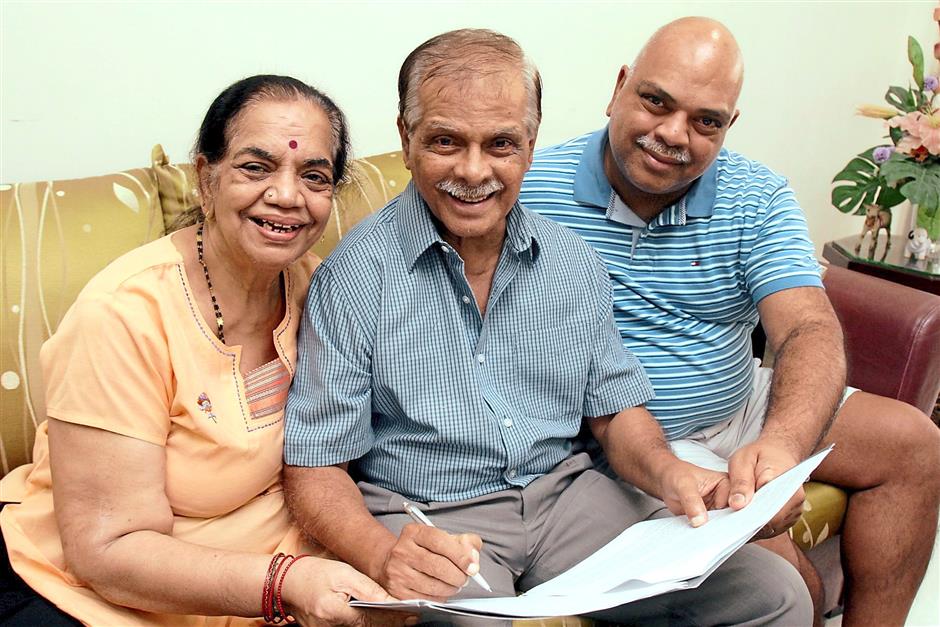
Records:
x=397, y=368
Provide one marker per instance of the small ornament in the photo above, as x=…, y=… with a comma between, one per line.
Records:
x=876, y=219
x=293, y=144
x=206, y=405
x=918, y=244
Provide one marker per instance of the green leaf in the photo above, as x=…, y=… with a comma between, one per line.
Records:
x=857, y=170
x=923, y=193
x=889, y=197
x=915, y=55
x=899, y=167
x=901, y=98
x=856, y=184
x=895, y=133
x=920, y=182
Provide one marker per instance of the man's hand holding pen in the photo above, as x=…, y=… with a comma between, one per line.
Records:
x=429, y=563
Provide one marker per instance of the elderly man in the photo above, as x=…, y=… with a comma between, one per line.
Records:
x=453, y=345
x=700, y=242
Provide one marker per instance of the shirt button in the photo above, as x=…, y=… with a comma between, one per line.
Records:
x=466, y=300
x=445, y=249
x=481, y=358
x=507, y=422
x=512, y=473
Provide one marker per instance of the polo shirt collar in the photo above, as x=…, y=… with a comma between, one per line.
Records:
x=591, y=186
x=418, y=233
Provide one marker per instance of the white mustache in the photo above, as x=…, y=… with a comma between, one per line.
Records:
x=677, y=154
x=470, y=193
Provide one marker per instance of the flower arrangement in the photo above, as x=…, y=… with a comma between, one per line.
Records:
x=908, y=168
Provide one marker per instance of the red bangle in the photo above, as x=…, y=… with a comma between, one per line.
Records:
x=280, y=584
x=267, y=596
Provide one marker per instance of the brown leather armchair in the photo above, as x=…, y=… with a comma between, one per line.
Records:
x=892, y=346
x=892, y=337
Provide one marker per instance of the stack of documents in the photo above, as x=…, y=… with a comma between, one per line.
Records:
x=649, y=558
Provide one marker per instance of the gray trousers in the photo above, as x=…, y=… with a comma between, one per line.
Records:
x=533, y=534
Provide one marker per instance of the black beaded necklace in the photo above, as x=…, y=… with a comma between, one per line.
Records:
x=215, y=305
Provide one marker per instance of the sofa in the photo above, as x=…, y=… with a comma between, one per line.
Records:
x=57, y=234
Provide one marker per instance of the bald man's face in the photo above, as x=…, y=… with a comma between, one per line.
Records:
x=668, y=119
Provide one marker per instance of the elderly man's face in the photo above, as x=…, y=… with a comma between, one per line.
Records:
x=469, y=152
x=668, y=120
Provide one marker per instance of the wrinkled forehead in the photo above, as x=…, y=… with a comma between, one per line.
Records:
x=497, y=82
x=475, y=97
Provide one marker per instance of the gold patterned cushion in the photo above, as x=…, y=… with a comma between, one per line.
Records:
x=175, y=184
x=56, y=235
x=822, y=516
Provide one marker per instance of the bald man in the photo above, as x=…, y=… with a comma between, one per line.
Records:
x=700, y=243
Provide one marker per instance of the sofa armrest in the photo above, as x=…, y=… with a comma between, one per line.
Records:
x=892, y=336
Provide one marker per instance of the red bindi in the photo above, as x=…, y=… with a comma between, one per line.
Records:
x=293, y=144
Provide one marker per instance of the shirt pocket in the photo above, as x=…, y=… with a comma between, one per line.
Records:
x=550, y=368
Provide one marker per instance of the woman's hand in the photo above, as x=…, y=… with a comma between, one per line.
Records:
x=317, y=592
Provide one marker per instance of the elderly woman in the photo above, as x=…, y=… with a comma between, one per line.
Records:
x=165, y=387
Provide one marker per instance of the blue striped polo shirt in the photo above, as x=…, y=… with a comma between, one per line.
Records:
x=685, y=285
x=397, y=368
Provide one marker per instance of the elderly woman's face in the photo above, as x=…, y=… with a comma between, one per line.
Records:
x=271, y=193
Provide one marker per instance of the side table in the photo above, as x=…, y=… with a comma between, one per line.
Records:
x=885, y=260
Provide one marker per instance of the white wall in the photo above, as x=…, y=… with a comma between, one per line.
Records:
x=89, y=87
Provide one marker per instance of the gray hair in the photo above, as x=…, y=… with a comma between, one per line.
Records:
x=471, y=52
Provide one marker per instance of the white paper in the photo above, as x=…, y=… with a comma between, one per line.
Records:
x=649, y=558
x=536, y=607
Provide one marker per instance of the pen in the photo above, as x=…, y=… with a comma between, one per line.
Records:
x=418, y=516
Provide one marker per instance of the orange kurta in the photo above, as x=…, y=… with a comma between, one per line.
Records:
x=134, y=356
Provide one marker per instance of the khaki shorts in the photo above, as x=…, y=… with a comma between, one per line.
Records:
x=712, y=446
